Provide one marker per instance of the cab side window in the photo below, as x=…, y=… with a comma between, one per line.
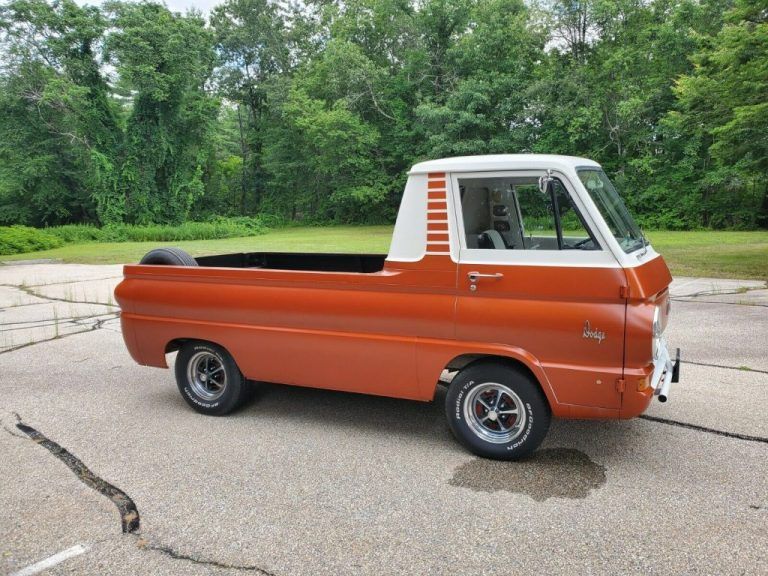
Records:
x=507, y=213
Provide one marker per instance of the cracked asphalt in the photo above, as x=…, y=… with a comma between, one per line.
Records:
x=314, y=482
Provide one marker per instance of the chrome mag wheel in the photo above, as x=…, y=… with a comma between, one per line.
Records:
x=494, y=413
x=206, y=375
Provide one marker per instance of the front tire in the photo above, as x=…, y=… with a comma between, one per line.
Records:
x=209, y=380
x=497, y=411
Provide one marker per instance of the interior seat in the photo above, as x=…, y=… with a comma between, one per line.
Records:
x=491, y=239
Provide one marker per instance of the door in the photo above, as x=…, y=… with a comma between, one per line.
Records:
x=533, y=275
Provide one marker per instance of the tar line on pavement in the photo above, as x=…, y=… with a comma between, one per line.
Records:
x=746, y=437
x=129, y=515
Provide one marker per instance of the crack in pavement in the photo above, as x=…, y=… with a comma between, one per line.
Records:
x=66, y=282
x=129, y=514
x=738, y=368
x=681, y=299
x=98, y=325
x=742, y=290
x=698, y=428
x=130, y=520
x=84, y=321
x=694, y=298
x=29, y=324
x=9, y=306
x=51, y=299
x=170, y=552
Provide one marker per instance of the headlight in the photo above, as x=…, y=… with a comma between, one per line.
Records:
x=657, y=329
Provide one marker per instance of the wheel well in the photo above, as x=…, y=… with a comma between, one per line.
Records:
x=175, y=344
x=463, y=361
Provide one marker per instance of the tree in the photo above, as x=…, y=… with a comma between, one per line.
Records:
x=487, y=108
x=164, y=60
x=59, y=130
x=129, y=112
x=254, y=48
x=724, y=106
x=321, y=163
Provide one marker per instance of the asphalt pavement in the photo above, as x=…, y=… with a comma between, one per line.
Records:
x=314, y=482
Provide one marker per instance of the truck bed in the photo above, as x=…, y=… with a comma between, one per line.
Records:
x=362, y=263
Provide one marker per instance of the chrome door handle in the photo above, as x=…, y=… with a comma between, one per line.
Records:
x=475, y=276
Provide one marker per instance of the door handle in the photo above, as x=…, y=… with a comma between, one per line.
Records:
x=475, y=276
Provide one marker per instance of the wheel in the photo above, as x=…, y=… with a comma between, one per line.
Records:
x=168, y=257
x=209, y=380
x=497, y=411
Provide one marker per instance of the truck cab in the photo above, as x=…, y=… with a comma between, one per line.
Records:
x=546, y=253
x=520, y=282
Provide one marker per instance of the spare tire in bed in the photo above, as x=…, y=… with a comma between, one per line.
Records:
x=168, y=257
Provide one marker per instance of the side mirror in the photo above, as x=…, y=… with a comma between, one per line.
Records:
x=544, y=182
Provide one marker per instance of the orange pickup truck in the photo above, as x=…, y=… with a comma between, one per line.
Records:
x=519, y=282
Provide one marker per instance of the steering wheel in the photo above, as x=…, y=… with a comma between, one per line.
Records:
x=581, y=243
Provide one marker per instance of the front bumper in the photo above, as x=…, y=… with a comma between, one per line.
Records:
x=665, y=371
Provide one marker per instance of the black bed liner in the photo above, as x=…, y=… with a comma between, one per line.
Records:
x=365, y=263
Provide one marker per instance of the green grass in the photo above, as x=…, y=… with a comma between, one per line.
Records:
x=714, y=254
x=701, y=253
x=361, y=239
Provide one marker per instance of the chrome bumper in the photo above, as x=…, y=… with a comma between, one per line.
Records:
x=665, y=372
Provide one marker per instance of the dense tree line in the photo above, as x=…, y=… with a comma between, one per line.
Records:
x=130, y=113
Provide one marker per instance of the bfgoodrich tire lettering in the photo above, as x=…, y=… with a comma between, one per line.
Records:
x=497, y=411
x=209, y=380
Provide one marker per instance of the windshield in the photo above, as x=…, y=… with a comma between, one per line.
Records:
x=612, y=207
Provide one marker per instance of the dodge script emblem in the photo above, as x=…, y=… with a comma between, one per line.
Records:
x=598, y=335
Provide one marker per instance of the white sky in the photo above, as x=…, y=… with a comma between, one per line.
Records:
x=175, y=5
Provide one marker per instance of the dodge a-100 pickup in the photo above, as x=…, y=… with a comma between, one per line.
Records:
x=519, y=282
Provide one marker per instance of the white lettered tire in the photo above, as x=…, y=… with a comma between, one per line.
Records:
x=209, y=380
x=497, y=411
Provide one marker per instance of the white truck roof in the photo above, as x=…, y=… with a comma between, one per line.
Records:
x=416, y=218
x=496, y=162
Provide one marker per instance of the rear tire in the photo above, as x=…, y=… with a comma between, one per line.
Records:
x=168, y=257
x=209, y=380
x=497, y=411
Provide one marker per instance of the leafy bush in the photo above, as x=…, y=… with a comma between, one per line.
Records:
x=19, y=239
x=224, y=228
x=76, y=233
x=255, y=223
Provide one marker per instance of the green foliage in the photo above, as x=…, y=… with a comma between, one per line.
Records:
x=329, y=161
x=76, y=233
x=21, y=239
x=723, y=108
x=314, y=111
x=165, y=58
x=58, y=126
x=487, y=109
x=187, y=231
